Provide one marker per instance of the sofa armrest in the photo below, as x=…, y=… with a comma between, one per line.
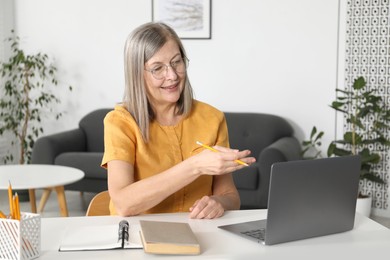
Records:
x=284, y=149
x=48, y=147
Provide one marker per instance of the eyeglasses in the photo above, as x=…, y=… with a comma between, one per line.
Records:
x=160, y=71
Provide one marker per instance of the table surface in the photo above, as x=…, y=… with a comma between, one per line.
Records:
x=36, y=176
x=368, y=238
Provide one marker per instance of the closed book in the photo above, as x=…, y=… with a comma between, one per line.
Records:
x=168, y=238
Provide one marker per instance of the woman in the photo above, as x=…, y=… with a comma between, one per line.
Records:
x=153, y=162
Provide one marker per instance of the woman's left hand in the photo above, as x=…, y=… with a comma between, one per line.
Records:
x=207, y=207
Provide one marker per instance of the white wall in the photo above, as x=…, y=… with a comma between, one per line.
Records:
x=266, y=56
x=6, y=22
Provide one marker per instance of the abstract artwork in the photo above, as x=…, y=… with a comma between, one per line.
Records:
x=191, y=19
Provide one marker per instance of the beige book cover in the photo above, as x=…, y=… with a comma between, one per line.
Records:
x=168, y=238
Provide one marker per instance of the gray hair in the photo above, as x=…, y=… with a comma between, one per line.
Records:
x=140, y=46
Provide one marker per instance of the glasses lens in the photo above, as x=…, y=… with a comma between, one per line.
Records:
x=159, y=72
x=185, y=63
x=179, y=66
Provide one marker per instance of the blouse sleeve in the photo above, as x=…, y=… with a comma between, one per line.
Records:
x=119, y=138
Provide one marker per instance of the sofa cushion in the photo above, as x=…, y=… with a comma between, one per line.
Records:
x=89, y=163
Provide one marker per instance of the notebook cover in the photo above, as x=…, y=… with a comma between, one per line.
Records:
x=168, y=238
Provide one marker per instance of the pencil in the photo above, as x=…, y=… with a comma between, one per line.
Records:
x=17, y=206
x=2, y=215
x=10, y=200
x=214, y=150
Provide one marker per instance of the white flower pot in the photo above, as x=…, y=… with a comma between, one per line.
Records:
x=363, y=206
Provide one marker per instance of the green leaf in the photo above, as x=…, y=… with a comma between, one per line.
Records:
x=359, y=83
x=313, y=132
x=372, y=177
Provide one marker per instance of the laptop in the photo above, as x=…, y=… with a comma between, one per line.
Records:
x=307, y=198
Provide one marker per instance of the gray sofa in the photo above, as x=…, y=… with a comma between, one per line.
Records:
x=269, y=137
x=81, y=148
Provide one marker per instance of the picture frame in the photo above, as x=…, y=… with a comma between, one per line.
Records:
x=191, y=19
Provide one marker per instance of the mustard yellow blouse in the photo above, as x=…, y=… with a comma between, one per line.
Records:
x=168, y=145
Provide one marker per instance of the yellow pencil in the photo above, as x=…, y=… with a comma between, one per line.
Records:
x=2, y=215
x=10, y=200
x=214, y=150
x=17, y=206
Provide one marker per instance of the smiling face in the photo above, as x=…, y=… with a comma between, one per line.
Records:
x=166, y=91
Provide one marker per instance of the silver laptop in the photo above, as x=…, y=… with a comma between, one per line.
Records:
x=307, y=198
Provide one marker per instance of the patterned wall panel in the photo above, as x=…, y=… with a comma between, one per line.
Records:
x=367, y=54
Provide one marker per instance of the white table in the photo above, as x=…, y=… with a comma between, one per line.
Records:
x=36, y=176
x=367, y=239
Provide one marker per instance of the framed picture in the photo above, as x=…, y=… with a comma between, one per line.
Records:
x=191, y=19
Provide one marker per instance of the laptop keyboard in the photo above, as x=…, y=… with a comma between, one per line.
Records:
x=256, y=233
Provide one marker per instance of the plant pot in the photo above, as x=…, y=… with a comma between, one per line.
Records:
x=363, y=205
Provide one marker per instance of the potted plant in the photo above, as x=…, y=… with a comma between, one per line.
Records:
x=26, y=87
x=368, y=119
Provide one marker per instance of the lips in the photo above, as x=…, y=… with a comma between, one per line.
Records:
x=171, y=87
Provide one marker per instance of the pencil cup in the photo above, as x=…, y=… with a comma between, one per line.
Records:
x=20, y=240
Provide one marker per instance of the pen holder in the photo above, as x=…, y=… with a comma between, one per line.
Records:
x=20, y=240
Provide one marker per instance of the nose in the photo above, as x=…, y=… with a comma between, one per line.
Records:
x=170, y=73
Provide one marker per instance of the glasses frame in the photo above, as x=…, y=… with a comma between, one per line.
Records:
x=186, y=65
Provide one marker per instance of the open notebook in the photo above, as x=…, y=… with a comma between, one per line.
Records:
x=102, y=237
